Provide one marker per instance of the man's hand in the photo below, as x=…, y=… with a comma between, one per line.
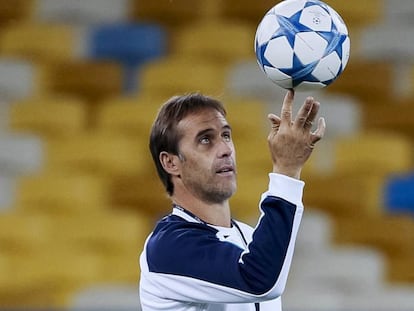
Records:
x=291, y=141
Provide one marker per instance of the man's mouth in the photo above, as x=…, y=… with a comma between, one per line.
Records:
x=225, y=169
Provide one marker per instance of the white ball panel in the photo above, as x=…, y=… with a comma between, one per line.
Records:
x=316, y=18
x=278, y=77
x=289, y=8
x=346, y=46
x=327, y=68
x=266, y=29
x=279, y=53
x=309, y=86
x=338, y=21
x=309, y=47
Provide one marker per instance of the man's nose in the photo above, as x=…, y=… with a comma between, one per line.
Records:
x=226, y=149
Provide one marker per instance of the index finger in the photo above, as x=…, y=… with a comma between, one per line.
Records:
x=286, y=113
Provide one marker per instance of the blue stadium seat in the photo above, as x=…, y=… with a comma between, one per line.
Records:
x=399, y=193
x=131, y=44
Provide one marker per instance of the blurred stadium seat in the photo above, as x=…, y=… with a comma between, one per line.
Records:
x=98, y=153
x=20, y=78
x=85, y=12
x=398, y=11
x=89, y=80
x=21, y=154
x=219, y=41
x=53, y=42
x=342, y=196
x=401, y=270
x=15, y=11
x=394, y=297
x=109, y=297
x=171, y=15
x=22, y=234
x=245, y=78
x=175, y=75
x=132, y=116
x=396, y=116
x=353, y=179
x=59, y=193
x=390, y=234
x=365, y=153
x=50, y=116
x=247, y=117
x=357, y=80
x=108, y=233
x=7, y=192
x=390, y=43
x=398, y=194
x=352, y=269
x=358, y=15
x=130, y=44
x=136, y=193
x=245, y=10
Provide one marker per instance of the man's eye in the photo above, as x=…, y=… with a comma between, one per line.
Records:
x=227, y=136
x=204, y=140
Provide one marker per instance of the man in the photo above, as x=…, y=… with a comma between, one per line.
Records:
x=198, y=257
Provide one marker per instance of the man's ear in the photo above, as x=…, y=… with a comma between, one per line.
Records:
x=170, y=163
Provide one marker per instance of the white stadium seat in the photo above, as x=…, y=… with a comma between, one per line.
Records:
x=82, y=12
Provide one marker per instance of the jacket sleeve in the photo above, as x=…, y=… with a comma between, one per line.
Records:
x=195, y=266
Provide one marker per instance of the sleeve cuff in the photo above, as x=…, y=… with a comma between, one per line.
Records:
x=285, y=187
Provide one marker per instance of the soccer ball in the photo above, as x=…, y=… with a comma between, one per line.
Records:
x=302, y=44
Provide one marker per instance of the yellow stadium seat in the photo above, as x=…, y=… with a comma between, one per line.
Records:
x=357, y=14
x=89, y=80
x=99, y=153
x=245, y=202
x=245, y=10
x=248, y=117
x=375, y=151
x=39, y=42
x=56, y=274
x=61, y=194
x=342, y=196
x=49, y=116
x=16, y=283
x=357, y=80
x=132, y=116
x=168, y=14
x=110, y=232
x=15, y=11
x=390, y=234
x=395, y=117
x=136, y=193
x=218, y=41
x=401, y=269
x=22, y=234
x=175, y=75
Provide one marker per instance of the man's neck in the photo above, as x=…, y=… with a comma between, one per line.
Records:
x=217, y=214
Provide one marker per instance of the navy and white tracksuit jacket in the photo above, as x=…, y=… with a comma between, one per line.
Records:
x=188, y=265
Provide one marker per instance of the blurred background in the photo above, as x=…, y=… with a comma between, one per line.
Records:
x=80, y=84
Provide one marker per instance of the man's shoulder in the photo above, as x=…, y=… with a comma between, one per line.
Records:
x=173, y=231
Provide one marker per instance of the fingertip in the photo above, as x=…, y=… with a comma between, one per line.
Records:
x=273, y=117
x=322, y=125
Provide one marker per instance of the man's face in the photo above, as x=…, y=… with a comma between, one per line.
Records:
x=208, y=168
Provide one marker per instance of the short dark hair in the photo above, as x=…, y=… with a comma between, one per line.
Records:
x=164, y=135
